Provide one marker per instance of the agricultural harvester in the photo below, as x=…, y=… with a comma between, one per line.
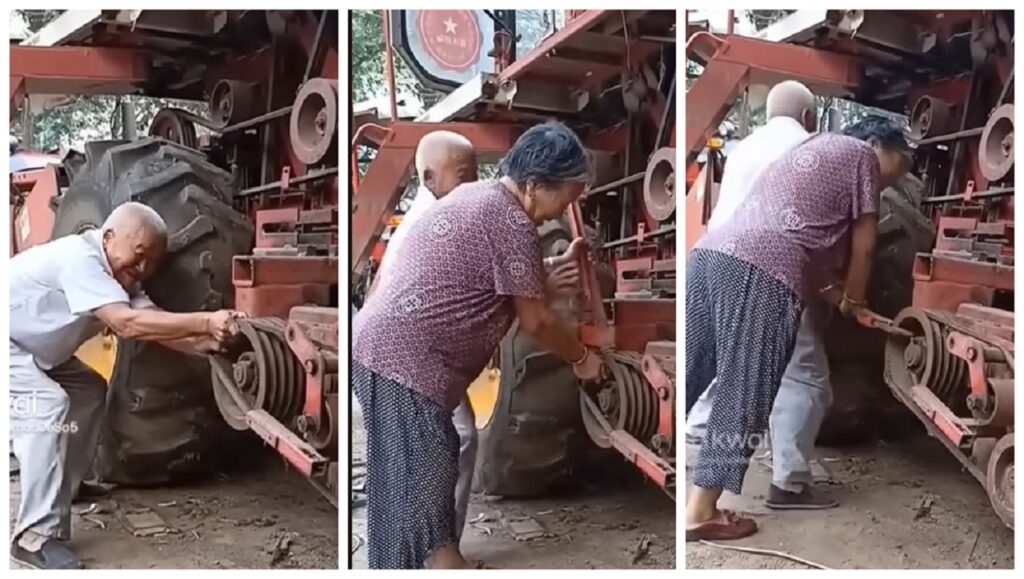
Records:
x=610, y=75
x=944, y=261
x=249, y=194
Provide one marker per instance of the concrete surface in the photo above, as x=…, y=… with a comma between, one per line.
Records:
x=240, y=520
x=597, y=527
x=903, y=505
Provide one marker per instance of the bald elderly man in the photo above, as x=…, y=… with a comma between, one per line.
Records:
x=805, y=392
x=62, y=294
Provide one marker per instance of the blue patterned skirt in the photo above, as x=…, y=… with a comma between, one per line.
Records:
x=412, y=465
x=741, y=326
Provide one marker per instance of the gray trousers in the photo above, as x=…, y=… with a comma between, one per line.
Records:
x=465, y=425
x=56, y=417
x=805, y=394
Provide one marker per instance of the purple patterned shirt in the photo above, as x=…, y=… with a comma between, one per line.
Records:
x=446, y=301
x=795, y=223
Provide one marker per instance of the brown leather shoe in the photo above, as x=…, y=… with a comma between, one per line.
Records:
x=728, y=526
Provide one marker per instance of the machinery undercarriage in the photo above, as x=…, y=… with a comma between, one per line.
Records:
x=944, y=263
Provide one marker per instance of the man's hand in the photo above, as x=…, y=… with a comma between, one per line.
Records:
x=563, y=280
x=591, y=367
x=563, y=271
x=577, y=248
x=223, y=324
x=206, y=346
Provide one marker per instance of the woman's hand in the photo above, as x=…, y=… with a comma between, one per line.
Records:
x=833, y=294
x=851, y=308
x=591, y=367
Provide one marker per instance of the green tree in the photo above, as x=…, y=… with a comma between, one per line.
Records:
x=366, y=36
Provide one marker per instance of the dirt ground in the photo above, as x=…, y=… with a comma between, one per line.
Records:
x=623, y=524
x=267, y=517
x=903, y=505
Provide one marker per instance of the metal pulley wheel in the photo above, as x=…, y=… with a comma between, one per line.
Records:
x=929, y=117
x=259, y=372
x=231, y=102
x=659, y=184
x=625, y=400
x=995, y=154
x=924, y=359
x=173, y=126
x=999, y=479
x=324, y=435
x=313, y=127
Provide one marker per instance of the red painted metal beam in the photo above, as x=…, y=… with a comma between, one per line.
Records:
x=78, y=70
x=377, y=195
x=580, y=23
x=735, y=62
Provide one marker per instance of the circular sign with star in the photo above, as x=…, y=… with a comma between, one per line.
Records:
x=452, y=38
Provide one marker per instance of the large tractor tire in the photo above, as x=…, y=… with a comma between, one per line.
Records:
x=862, y=405
x=533, y=439
x=162, y=423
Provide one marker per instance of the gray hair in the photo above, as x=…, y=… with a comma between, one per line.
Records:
x=547, y=154
x=134, y=214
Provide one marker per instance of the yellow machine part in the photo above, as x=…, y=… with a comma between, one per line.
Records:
x=483, y=395
x=99, y=354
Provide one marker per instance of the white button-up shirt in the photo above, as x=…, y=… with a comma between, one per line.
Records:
x=749, y=159
x=55, y=288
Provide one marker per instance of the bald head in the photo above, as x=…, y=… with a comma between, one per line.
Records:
x=134, y=241
x=793, y=100
x=445, y=160
x=133, y=215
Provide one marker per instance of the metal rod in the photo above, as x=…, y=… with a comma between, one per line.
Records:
x=669, y=108
x=618, y=183
x=314, y=53
x=314, y=176
x=965, y=134
x=129, y=130
x=633, y=239
x=265, y=154
x=591, y=288
x=665, y=39
x=257, y=121
x=955, y=157
x=389, y=66
x=625, y=199
x=997, y=192
x=1006, y=89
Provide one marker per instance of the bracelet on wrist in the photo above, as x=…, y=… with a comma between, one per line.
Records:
x=583, y=358
x=854, y=302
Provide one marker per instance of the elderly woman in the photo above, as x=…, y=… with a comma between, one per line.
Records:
x=469, y=268
x=809, y=215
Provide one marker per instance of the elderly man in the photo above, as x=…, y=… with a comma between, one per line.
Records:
x=805, y=392
x=445, y=160
x=62, y=294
